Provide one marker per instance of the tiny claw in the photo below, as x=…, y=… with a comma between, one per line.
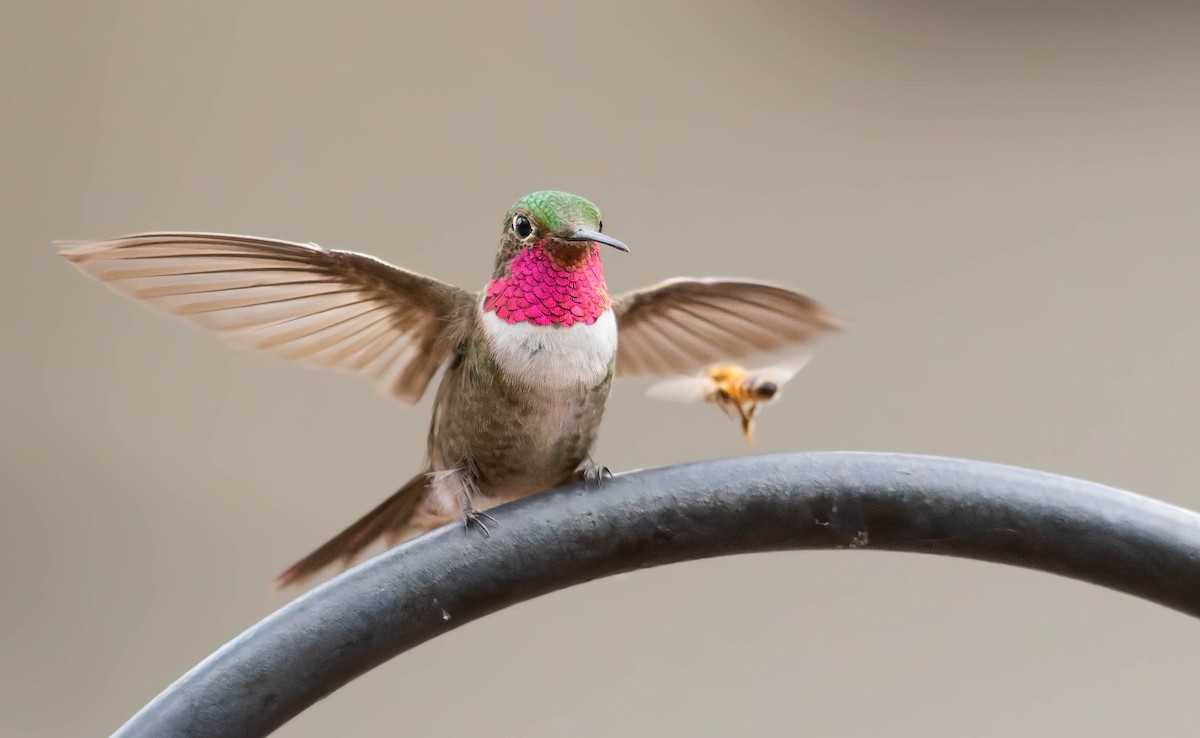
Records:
x=590, y=473
x=473, y=517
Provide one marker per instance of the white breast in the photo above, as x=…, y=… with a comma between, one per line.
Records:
x=553, y=356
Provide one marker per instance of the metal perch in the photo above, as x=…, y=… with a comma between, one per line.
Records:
x=892, y=502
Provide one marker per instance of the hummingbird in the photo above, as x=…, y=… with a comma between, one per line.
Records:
x=528, y=360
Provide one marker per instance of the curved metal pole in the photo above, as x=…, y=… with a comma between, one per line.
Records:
x=452, y=576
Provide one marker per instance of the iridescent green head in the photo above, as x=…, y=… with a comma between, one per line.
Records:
x=558, y=218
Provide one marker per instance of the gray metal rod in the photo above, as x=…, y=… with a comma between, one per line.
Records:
x=893, y=502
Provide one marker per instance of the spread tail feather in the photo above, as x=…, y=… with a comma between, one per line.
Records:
x=387, y=520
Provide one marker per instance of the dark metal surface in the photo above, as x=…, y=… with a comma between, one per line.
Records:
x=892, y=502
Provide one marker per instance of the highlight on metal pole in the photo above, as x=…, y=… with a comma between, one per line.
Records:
x=892, y=502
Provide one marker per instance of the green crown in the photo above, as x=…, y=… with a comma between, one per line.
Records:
x=554, y=210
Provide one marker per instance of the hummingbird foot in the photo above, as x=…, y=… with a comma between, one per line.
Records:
x=591, y=473
x=473, y=517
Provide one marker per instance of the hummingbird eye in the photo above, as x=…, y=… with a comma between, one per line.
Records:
x=599, y=226
x=522, y=227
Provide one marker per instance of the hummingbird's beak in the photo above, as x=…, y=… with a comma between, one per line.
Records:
x=584, y=234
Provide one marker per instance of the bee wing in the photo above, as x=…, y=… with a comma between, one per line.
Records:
x=681, y=389
x=781, y=373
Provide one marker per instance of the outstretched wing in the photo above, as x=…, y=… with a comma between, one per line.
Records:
x=681, y=325
x=682, y=389
x=782, y=372
x=333, y=309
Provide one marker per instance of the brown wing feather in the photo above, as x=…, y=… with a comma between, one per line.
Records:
x=333, y=309
x=682, y=325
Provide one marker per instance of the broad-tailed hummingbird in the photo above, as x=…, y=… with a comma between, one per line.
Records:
x=528, y=361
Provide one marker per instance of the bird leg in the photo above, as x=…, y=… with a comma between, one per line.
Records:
x=473, y=517
x=589, y=472
x=465, y=483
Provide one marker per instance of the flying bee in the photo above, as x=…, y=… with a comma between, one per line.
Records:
x=736, y=390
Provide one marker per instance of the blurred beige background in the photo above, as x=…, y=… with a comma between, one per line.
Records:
x=1002, y=196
